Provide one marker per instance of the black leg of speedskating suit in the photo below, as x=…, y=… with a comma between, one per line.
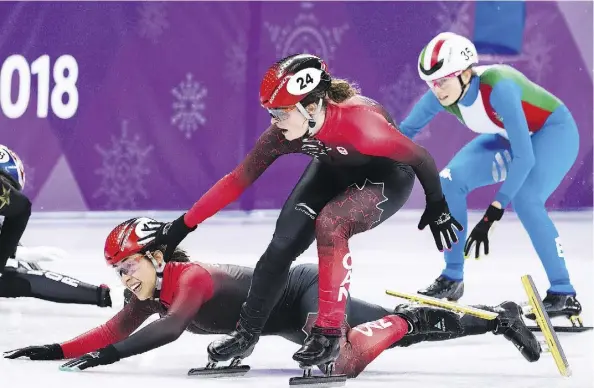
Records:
x=51, y=286
x=294, y=233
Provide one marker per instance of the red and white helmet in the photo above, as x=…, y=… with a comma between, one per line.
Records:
x=123, y=240
x=291, y=79
x=447, y=54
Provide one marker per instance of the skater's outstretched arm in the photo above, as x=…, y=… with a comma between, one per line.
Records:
x=268, y=148
x=114, y=330
x=420, y=115
x=194, y=287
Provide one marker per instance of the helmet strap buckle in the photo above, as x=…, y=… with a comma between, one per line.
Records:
x=311, y=122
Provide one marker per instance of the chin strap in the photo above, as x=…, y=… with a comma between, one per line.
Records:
x=462, y=91
x=310, y=120
x=159, y=269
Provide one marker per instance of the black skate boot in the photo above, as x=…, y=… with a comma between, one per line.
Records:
x=443, y=287
x=321, y=348
x=510, y=324
x=234, y=346
x=426, y=323
x=561, y=305
x=238, y=344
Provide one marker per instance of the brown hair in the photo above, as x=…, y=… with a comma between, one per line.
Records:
x=179, y=255
x=341, y=90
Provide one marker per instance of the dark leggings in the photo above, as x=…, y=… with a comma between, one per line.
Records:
x=297, y=310
x=331, y=204
x=47, y=285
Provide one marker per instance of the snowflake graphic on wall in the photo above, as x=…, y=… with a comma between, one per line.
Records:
x=235, y=65
x=454, y=17
x=123, y=170
x=153, y=21
x=306, y=35
x=398, y=97
x=189, y=105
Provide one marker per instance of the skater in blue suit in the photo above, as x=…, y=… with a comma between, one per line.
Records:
x=527, y=139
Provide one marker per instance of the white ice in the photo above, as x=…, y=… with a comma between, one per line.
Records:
x=393, y=256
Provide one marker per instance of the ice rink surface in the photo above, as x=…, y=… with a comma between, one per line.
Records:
x=393, y=256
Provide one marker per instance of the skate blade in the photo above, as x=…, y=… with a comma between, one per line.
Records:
x=453, y=306
x=319, y=381
x=223, y=371
x=542, y=320
x=563, y=329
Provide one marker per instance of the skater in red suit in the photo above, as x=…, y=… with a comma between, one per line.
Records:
x=189, y=296
x=362, y=173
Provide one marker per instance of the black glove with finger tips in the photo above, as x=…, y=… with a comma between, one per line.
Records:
x=41, y=352
x=480, y=233
x=441, y=222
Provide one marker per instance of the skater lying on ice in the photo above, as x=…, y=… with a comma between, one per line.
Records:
x=20, y=274
x=204, y=299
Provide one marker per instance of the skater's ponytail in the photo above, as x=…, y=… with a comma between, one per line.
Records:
x=341, y=90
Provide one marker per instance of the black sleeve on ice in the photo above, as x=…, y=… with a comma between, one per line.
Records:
x=47, y=285
x=16, y=209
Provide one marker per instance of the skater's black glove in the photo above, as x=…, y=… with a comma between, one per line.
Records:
x=43, y=352
x=437, y=215
x=480, y=233
x=105, y=356
x=169, y=234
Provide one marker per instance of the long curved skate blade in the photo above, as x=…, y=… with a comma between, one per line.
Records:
x=564, y=329
x=543, y=321
x=223, y=371
x=319, y=381
x=454, y=306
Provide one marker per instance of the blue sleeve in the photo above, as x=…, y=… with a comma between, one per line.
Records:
x=421, y=114
x=506, y=99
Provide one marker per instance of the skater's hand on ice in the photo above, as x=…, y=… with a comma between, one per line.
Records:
x=437, y=215
x=104, y=356
x=480, y=233
x=43, y=352
x=169, y=234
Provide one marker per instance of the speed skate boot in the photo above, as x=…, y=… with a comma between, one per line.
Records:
x=510, y=324
x=561, y=305
x=427, y=323
x=236, y=345
x=321, y=347
x=443, y=287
